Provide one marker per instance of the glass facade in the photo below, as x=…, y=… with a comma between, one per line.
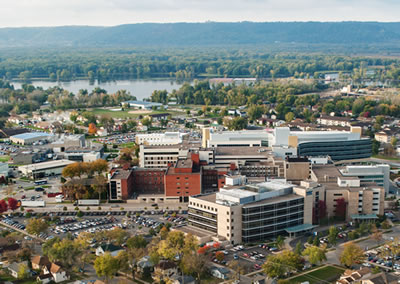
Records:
x=337, y=150
x=270, y=220
x=202, y=219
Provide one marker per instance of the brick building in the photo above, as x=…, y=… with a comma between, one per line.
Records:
x=184, y=178
x=148, y=181
x=121, y=184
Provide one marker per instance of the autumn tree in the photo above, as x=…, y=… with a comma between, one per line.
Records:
x=106, y=266
x=351, y=254
x=194, y=264
x=36, y=226
x=12, y=203
x=92, y=130
x=332, y=235
x=376, y=234
x=3, y=206
x=315, y=254
x=219, y=255
x=278, y=265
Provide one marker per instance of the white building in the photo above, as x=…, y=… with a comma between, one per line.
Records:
x=369, y=173
x=143, y=105
x=4, y=170
x=167, y=138
x=31, y=137
x=339, y=145
x=44, y=169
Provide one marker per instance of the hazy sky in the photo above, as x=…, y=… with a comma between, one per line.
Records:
x=15, y=13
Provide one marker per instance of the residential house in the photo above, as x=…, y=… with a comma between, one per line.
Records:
x=38, y=262
x=219, y=272
x=334, y=120
x=351, y=276
x=110, y=248
x=164, y=270
x=380, y=278
x=15, y=267
x=16, y=119
x=58, y=274
x=144, y=263
x=386, y=135
x=44, y=278
x=179, y=279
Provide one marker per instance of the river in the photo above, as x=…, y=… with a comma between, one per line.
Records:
x=140, y=88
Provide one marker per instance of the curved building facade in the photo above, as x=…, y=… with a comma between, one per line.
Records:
x=337, y=150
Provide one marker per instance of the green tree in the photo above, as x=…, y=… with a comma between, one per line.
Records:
x=23, y=271
x=289, y=116
x=106, y=266
x=332, y=235
x=315, y=254
x=36, y=226
x=375, y=147
x=299, y=248
x=280, y=241
x=352, y=254
x=278, y=265
x=136, y=242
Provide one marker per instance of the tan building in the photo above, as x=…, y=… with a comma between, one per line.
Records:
x=252, y=212
x=363, y=199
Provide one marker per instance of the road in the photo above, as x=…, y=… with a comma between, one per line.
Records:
x=333, y=256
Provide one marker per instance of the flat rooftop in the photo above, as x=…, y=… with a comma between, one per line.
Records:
x=194, y=231
x=242, y=151
x=121, y=174
x=47, y=165
x=273, y=200
x=31, y=135
x=207, y=197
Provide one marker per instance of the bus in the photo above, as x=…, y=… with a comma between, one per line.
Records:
x=39, y=182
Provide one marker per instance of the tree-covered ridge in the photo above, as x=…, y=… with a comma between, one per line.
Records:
x=209, y=33
x=181, y=63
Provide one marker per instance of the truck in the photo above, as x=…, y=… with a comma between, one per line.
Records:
x=88, y=202
x=33, y=203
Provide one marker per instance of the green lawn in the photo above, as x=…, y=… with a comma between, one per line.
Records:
x=125, y=113
x=4, y=159
x=127, y=145
x=327, y=273
x=386, y=158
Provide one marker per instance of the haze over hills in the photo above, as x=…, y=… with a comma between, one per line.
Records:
x=205, y=34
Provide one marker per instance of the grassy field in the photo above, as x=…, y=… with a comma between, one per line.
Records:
x=326, y=273
x=126, y=114
x=386, y=158
x=4, y=159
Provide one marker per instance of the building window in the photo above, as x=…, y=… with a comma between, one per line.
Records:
x=227, y=220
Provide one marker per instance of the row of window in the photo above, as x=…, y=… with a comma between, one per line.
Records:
x=201, y=206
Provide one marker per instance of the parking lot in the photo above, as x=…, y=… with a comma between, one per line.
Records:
x=117, y=139
x=68, y=222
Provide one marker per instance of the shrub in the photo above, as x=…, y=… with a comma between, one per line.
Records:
x=88, y=208
x=65, y=208
x=76, y=208
x=99, y=208
x=79, y=214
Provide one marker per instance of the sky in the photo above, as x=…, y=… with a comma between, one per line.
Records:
x=18, y=13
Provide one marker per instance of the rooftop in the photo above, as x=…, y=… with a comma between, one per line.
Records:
x=31, y=135
x=121, y=174
x=242, y=151
x=144, y=103
x=274, y=200
x=45, y=165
